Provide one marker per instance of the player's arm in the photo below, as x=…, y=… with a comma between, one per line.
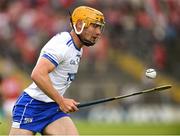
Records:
x=41, y=78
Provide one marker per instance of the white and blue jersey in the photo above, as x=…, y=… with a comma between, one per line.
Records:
x=34, y=110
x=64, y=54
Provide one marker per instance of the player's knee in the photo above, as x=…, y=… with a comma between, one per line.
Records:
x=62, y=126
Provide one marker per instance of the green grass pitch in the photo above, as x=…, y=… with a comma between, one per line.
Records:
x=101, y=128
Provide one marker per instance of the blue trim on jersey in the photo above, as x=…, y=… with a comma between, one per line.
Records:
x=35, y=115
x=75, y=44
x=50, y=58
x=69, y=42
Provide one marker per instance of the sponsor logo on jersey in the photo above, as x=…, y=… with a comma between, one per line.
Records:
x=71, y=76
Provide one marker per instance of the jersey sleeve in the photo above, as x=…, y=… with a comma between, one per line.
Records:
x=54, y=50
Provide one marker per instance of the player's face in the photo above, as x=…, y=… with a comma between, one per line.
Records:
x=92, y=33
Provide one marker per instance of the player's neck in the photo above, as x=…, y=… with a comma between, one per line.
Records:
x=76, y=40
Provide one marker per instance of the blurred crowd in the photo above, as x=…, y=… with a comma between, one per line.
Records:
x=148, y=29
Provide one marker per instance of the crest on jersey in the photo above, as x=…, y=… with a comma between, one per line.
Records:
x=76, y=60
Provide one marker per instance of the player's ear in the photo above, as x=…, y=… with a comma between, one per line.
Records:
x=79, y=25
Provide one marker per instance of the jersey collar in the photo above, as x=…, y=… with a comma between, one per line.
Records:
x=79, y=49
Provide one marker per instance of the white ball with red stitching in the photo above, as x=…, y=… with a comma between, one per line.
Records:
x=151, y=73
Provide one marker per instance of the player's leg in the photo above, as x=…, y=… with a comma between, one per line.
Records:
x=18, y=131
x=61, y=126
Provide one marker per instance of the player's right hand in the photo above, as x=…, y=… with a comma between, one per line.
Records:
x=68, y=105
